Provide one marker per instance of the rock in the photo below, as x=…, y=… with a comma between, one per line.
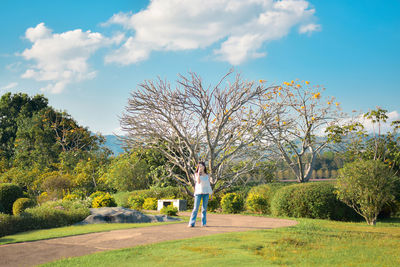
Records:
x=122, y=215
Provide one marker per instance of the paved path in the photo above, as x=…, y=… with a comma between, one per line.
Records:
x=38, y=252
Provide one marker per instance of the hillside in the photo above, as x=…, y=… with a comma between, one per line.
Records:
x=114, y=144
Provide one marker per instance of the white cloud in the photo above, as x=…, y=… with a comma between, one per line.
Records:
x=9, y=86
x=14, y=67
x=241, y=27
x=309, y=28
x=61, y=58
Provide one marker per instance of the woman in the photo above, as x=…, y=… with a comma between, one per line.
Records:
x=202, y=192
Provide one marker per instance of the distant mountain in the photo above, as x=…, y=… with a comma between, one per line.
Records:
x=114, y=144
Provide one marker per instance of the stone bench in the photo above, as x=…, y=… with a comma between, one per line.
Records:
x=181, y=204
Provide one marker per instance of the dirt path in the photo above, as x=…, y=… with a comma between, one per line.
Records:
x=38, y=252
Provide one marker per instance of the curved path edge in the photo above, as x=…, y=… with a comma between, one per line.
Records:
x=38, y=252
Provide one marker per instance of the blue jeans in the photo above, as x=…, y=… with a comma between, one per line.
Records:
x=197, y=199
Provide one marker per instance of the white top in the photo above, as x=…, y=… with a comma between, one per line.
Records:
x=204, y=186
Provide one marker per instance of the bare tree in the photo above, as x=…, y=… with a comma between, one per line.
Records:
x=299, y=124
x=192, y=123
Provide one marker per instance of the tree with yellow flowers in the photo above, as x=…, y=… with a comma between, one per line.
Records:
x=296, y=133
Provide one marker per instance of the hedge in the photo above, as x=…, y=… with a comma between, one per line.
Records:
x=259, y=197
x=8, y=194
x=21, y=204
x=136, y=202
x=49, y=215
x=232, y=203
x=311, y=200
x=122, y=198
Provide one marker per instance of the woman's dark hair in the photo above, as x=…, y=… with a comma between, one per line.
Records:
x=205, y=168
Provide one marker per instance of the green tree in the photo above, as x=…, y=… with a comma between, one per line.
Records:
x=46, y=138
x=88, y=172
x=356, y=143
x=366, y=186
x=26, y=179
x=14, y=107
x=35, y=144
x=158, y=165
x=127, y=172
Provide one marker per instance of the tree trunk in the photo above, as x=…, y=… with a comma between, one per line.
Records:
x=371, y=221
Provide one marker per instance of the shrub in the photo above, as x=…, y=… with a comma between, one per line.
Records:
x=71, y=196
x=238, y=189
x=43, y=197
x=367, y=186
x=170, y=210
x=150, y=203
x=21, y=204
x=105, y=200
x=257, y=203
x=56, y=183
x=169, y=192
x=58, y=213
x=49, y=215
x=96, y=194
x=311, y=200
x=136, y=202
x=10, y=224
x=232, y=203
x=214, y=204
x=122, y=199
x=392, y=208
x=8, y=194
x=265, y=193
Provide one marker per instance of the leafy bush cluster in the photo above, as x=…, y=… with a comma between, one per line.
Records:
x=21, y=204
x=71, y=196
x=368, y=186
x=170, y=210
x=232, y=203
x=257, y=203
x=9, y=193
x=259, y=197
x=311, y=200
x=150, y=203
x=103, y=200
x=49, y=215
x=96, y=194
x=214, y=203
x=124, y=199
x=136, y=202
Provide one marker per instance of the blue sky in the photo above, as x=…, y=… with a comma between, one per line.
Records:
x=87, y=56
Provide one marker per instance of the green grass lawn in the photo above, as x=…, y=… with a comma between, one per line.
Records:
x=75, y=230
x=310, y=243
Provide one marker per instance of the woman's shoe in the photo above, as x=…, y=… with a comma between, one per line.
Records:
x=190, y=226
